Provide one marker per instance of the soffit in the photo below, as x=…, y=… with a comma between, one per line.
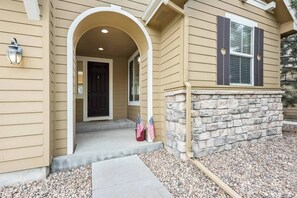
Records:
x=281, y=11
x=162, y=17
x=160, y=12
x=180, y=3
x=115, y=43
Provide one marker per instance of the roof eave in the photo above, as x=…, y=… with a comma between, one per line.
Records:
x=292, y=13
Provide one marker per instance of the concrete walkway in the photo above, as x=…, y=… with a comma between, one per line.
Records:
x=125, y=177
x=101, y=145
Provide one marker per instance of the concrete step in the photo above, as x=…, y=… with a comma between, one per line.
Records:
x=82, y=127
x=103, y=145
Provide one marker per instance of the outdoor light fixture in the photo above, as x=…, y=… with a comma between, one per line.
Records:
x=105, y=31
x=14, y=52
x=100, y=49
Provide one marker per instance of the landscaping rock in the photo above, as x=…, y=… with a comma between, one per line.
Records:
x=73, y=183
x=267, y=169
x=182, y=179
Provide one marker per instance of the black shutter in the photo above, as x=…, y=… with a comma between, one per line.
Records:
x=258, y=56
x=223, y=50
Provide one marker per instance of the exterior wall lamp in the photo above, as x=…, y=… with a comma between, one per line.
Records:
x=14, y=52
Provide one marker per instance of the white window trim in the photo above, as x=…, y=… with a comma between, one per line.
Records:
x=133, y=103
x=85, y=61
x=252, y=24
x=76, y=87
x=241, y=20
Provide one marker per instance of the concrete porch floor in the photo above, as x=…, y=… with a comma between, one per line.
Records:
x=101, y=145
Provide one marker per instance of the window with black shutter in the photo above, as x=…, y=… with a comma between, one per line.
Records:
x=239, y=51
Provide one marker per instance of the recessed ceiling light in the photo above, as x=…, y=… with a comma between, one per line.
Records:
x=100, y=49
x=105, y=31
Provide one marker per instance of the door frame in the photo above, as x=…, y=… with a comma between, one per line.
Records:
x=85, y=61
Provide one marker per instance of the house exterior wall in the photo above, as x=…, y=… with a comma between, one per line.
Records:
x=65, y=13
x=25, y=129
x=222, y=120
x=133, y=112
x=222, y=116
x=51, y=44
x=33, y=95
x=203, y=41
x=171, y=63
x=290, y=113
x=79, y=106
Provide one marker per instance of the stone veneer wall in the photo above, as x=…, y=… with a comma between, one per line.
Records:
x=222, y=120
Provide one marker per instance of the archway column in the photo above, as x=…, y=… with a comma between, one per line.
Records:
x=71, y=64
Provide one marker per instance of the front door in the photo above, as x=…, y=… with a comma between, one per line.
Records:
x=98, y=89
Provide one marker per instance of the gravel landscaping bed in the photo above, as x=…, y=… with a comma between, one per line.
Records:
x=262, y=170
x=73, y=183
x=182, y=179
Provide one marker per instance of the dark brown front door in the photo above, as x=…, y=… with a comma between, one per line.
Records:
x=98, y=89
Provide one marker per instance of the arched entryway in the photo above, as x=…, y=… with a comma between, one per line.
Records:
x=115, y=17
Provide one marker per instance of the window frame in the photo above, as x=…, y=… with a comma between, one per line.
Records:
x=133, y=103
x=80, y=96
x=249, y=23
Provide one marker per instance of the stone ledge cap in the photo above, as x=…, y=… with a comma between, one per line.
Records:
x=227, y=92
x=173, y=93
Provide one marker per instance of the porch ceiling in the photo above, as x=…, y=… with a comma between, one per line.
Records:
x=114, y=43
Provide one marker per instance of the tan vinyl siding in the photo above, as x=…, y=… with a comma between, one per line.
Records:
x=120, y=87
x=202, y=40
x=52, y=75
x=133, y=111
x=171, y=54
x=24, y=88
x=79, y=110
x=171, y=66
x=290, y=113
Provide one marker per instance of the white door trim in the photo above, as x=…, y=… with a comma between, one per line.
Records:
x=85, y=61
x=70, y=65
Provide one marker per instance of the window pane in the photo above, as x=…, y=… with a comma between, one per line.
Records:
x=131, y=81
x=240, y=38
x=247, y=39
x=136, y=78
x=245, y=70
x=240, y=70
x=234, y=69
x=80, y=78
x=236, y=37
